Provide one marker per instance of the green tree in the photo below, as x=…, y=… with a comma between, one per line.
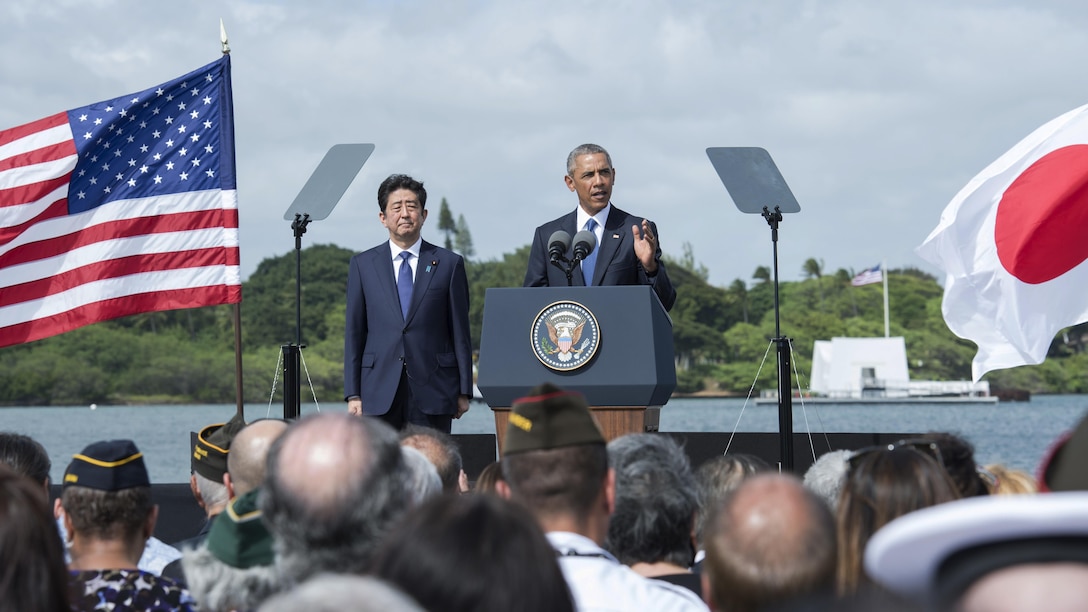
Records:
x=446, y=223
x=462, y=238
x=762, y=274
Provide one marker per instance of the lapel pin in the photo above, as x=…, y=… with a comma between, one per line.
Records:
x=615, y=236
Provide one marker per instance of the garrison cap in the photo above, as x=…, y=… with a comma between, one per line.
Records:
x=548, y=418
x=110, y=465
x=212, y=445
x=239, y=537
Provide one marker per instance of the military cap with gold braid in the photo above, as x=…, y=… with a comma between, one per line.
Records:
x=110, y=465
x=548, y=418
x=212, y=445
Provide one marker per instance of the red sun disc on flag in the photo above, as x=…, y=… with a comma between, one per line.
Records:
x=1042, y=217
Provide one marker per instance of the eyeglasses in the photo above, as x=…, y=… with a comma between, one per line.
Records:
x=928, y=448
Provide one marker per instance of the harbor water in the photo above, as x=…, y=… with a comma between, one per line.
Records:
x=1017, y=434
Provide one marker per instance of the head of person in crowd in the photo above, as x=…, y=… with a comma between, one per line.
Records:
x=825, y=476
x=988, y=554
x=211, y=448
x=487, y=481
x=769, y=543
x=883, y=483
x=440, y=449
x=338, y=592
x=32, y=574
x=235, y=568
x=1010, y=481
x=656, y=500
x=25, y=456
x=716, y=477
x=461, y=553
x=107, y=505
x=249, y=453
x=555, y=463
x=423, y=477
x=958, y=455
x=1062, y=469
x=335, y=485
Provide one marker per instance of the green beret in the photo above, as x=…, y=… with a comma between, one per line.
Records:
x=108, y=466
x=550, y=418
x=239, y=537
x=212, y=445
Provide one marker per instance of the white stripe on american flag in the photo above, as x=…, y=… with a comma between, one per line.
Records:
x=125, y=209
x=133, y=284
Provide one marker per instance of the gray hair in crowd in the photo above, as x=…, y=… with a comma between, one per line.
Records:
x=716, y=478
x=826, y=475
x=218, y=586
x=335, y=593
x=333, y=522
x=211, y=492
x=423, y=481
x=656, y=500
x=440, y=448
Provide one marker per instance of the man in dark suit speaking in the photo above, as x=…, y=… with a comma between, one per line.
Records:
x=407, y=353
x=627, y=251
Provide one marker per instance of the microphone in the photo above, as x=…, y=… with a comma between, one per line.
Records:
x=558, y=245
x=584, y=243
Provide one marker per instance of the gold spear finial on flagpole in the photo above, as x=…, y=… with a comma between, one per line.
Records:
x=223, y=37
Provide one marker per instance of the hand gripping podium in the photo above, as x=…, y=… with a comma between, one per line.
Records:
x=612, y=344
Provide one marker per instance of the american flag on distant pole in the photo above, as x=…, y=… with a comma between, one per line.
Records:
x=867, y=277
x=121, y=207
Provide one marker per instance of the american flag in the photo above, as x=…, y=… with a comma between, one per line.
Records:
x=868, y=277
x=118, y=208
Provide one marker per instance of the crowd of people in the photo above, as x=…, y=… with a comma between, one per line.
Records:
x=337, y=512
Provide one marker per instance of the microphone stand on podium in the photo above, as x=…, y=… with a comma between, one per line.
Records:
x=318, y=197
x=754, y=183
x=560, y=241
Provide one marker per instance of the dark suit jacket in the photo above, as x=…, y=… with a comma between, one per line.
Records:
x=434, y=341
x=616, y=260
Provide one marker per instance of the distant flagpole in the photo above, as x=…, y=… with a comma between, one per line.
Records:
x=236, y=318
x=884, y=273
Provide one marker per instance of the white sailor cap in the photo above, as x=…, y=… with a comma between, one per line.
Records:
x=934, y=554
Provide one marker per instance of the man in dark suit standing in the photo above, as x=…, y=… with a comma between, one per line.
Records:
x=407, y=353
x=627, y=250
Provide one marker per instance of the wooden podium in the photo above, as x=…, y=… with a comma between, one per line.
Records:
x=628, y=379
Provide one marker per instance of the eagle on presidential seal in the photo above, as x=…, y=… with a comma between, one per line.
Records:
x=565, y=335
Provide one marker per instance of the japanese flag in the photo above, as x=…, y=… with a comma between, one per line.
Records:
x=1013, y=245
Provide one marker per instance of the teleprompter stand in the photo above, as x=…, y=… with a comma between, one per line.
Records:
x=318, y=197
x=754, y=183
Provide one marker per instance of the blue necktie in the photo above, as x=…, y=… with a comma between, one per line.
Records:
x=404, y=283
x=591, y=259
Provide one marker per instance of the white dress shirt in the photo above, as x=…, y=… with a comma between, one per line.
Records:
x=600, y=583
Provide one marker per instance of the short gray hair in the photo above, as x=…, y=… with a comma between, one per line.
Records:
x=655, y=501
x=333, y=593
x=332, y=523
x=585, y=149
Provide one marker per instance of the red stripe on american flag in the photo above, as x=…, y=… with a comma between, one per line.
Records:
x=22, y=131
x=116, y=268
x=56, y=209
x=48, y=153
x=125, y=228
x=119, y=307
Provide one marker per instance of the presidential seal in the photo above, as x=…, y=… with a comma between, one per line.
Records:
x=565, y=336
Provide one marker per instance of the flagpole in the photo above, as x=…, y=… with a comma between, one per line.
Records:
x=884, y=274
x=238, y=394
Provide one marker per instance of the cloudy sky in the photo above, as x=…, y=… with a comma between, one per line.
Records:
x=876, y=113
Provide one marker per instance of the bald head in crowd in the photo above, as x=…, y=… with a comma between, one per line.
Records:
x=335, y=485
x=249, y=453
x=770, y=542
